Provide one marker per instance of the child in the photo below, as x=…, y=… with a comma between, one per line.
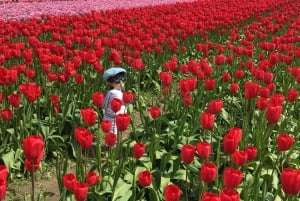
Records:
x=116, y=78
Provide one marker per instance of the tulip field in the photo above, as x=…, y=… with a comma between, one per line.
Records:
x=216, y=115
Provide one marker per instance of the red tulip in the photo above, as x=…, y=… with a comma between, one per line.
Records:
x=208, y=172
x=251, y=90
x=84, y=137
x=232, y=177
x=79, y=78
x=115, y=104
x=276, y=99
x=273, y=113
x=31, y=166
x=14, y=100
x=187, y=153
x=3, y=189
x=31, y=90
x=80, y=191
x=54, y=99
x=207, y=196
x=33, y=147
x=262, y=103
x=292, y=95
x=251, y=151
x=6, y=114
x=207, y=120
x=138, y=64
x=268, y=78
x=290, y=181
x=264, y=92
x=226, y=77
x=154, y=112
x=234, y=87
x=145, y=178
x=92, y=178
x=209, y=84
x=284, y=142
x=122, y=121
x=229, y=195
x=219, y=60
x=138, y=150
x=214, y=106
x=98, y=99
x=30, y=73
x=110, y=139
x=203, y=149
x=127, y=97
x=239, y=74
x=69, y=180
x=115, y=57
x=106, y=125
x=1, y=97
x=3, y=174
x=239, y=157
x=89, y=116
x=166, y=78
x=172, y=192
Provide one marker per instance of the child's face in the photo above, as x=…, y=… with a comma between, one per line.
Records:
x=119, y=83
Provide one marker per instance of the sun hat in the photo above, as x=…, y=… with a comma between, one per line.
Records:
x=112, y=72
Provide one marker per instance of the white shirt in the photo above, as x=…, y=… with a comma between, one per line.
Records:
x=108, y=113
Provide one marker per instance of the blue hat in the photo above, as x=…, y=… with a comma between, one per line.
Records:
x=112, y=72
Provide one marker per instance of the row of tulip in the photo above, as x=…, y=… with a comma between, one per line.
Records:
x=221, y=82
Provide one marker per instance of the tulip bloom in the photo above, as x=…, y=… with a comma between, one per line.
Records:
x=207, y=120
x=239, y=157
x=106, y=125
x=214, y=107
x=234, y=87
x=292, y=95
x=232, y=177
x=207, y=196
x=166, y=78
x=6, y=114
x=138, y=150
x=290, y=181
x=80, y=191
x=3, y=188
x=98, y=99
x=203, y=149
x=251, y=151
x=187, y=153
x=172, y=193
x=89, y=116
x=92, y=178
x=145, y=178
x=84, y=137
x=127, y=97
x=229, y=195
x=115, y=104
x=31, y=90
x=284, y=142
x=69, y=180
x=208, y=172
x=33, y=147
x=122, y=121
x=14, y=100
x=251, y=90
x=154, y=112
x=273, y=113
x=209, y=84
x=110, y=139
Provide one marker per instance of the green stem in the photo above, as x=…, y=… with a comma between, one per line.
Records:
x=186, y=184
x=32, y=181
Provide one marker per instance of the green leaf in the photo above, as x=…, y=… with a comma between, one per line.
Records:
x=122, y=191
x=180, y=175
